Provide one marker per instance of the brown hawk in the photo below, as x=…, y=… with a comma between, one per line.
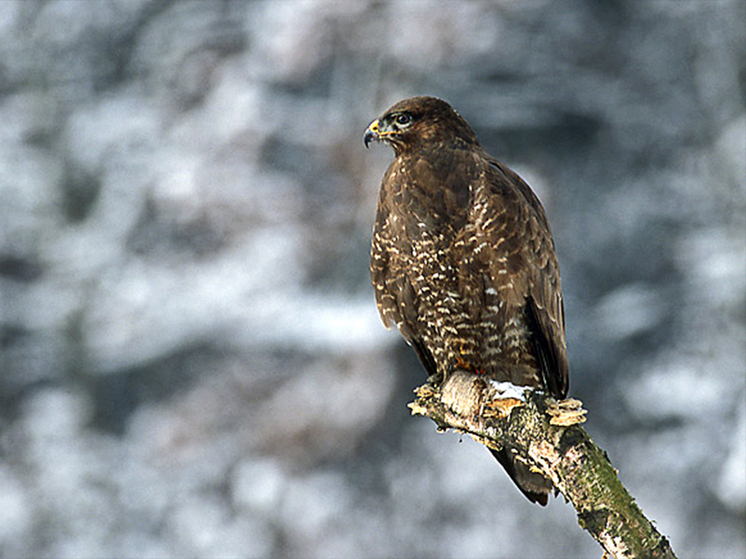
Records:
x=463, y=261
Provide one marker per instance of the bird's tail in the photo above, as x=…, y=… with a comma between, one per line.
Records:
x=533, y=485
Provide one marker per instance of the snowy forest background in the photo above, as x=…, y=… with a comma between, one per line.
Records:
x=191, y=362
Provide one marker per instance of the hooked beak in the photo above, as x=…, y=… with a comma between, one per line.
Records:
x=371, y=133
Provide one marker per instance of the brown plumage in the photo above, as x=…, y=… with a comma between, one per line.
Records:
x=463, y=261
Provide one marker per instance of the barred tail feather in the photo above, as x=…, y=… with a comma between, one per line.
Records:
x=533, y=485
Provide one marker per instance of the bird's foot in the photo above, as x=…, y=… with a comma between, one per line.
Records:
x=566, y=412
x=463, y=365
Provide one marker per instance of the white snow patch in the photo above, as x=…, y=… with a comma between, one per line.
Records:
x=629, y=310
x=509, y=390
x=15, y=506
x=731, y=488
x=677, y=391
x=258, y=486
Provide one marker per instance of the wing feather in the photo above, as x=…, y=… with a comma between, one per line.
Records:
x=526, y=242
x=395, y=296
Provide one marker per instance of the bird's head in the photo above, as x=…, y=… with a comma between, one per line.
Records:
x=416, y=122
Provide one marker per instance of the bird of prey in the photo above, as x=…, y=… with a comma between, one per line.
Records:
x=463, y=261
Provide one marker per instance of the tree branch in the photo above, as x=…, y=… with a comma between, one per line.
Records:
x=547, y=436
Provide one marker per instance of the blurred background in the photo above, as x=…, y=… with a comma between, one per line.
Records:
x=191, y=360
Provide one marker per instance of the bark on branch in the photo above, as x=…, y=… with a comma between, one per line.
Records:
x=547, y=436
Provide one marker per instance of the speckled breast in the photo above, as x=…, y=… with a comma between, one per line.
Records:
x=461, y=317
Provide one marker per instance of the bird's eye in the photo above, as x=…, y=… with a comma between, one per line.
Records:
x=403, y=119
